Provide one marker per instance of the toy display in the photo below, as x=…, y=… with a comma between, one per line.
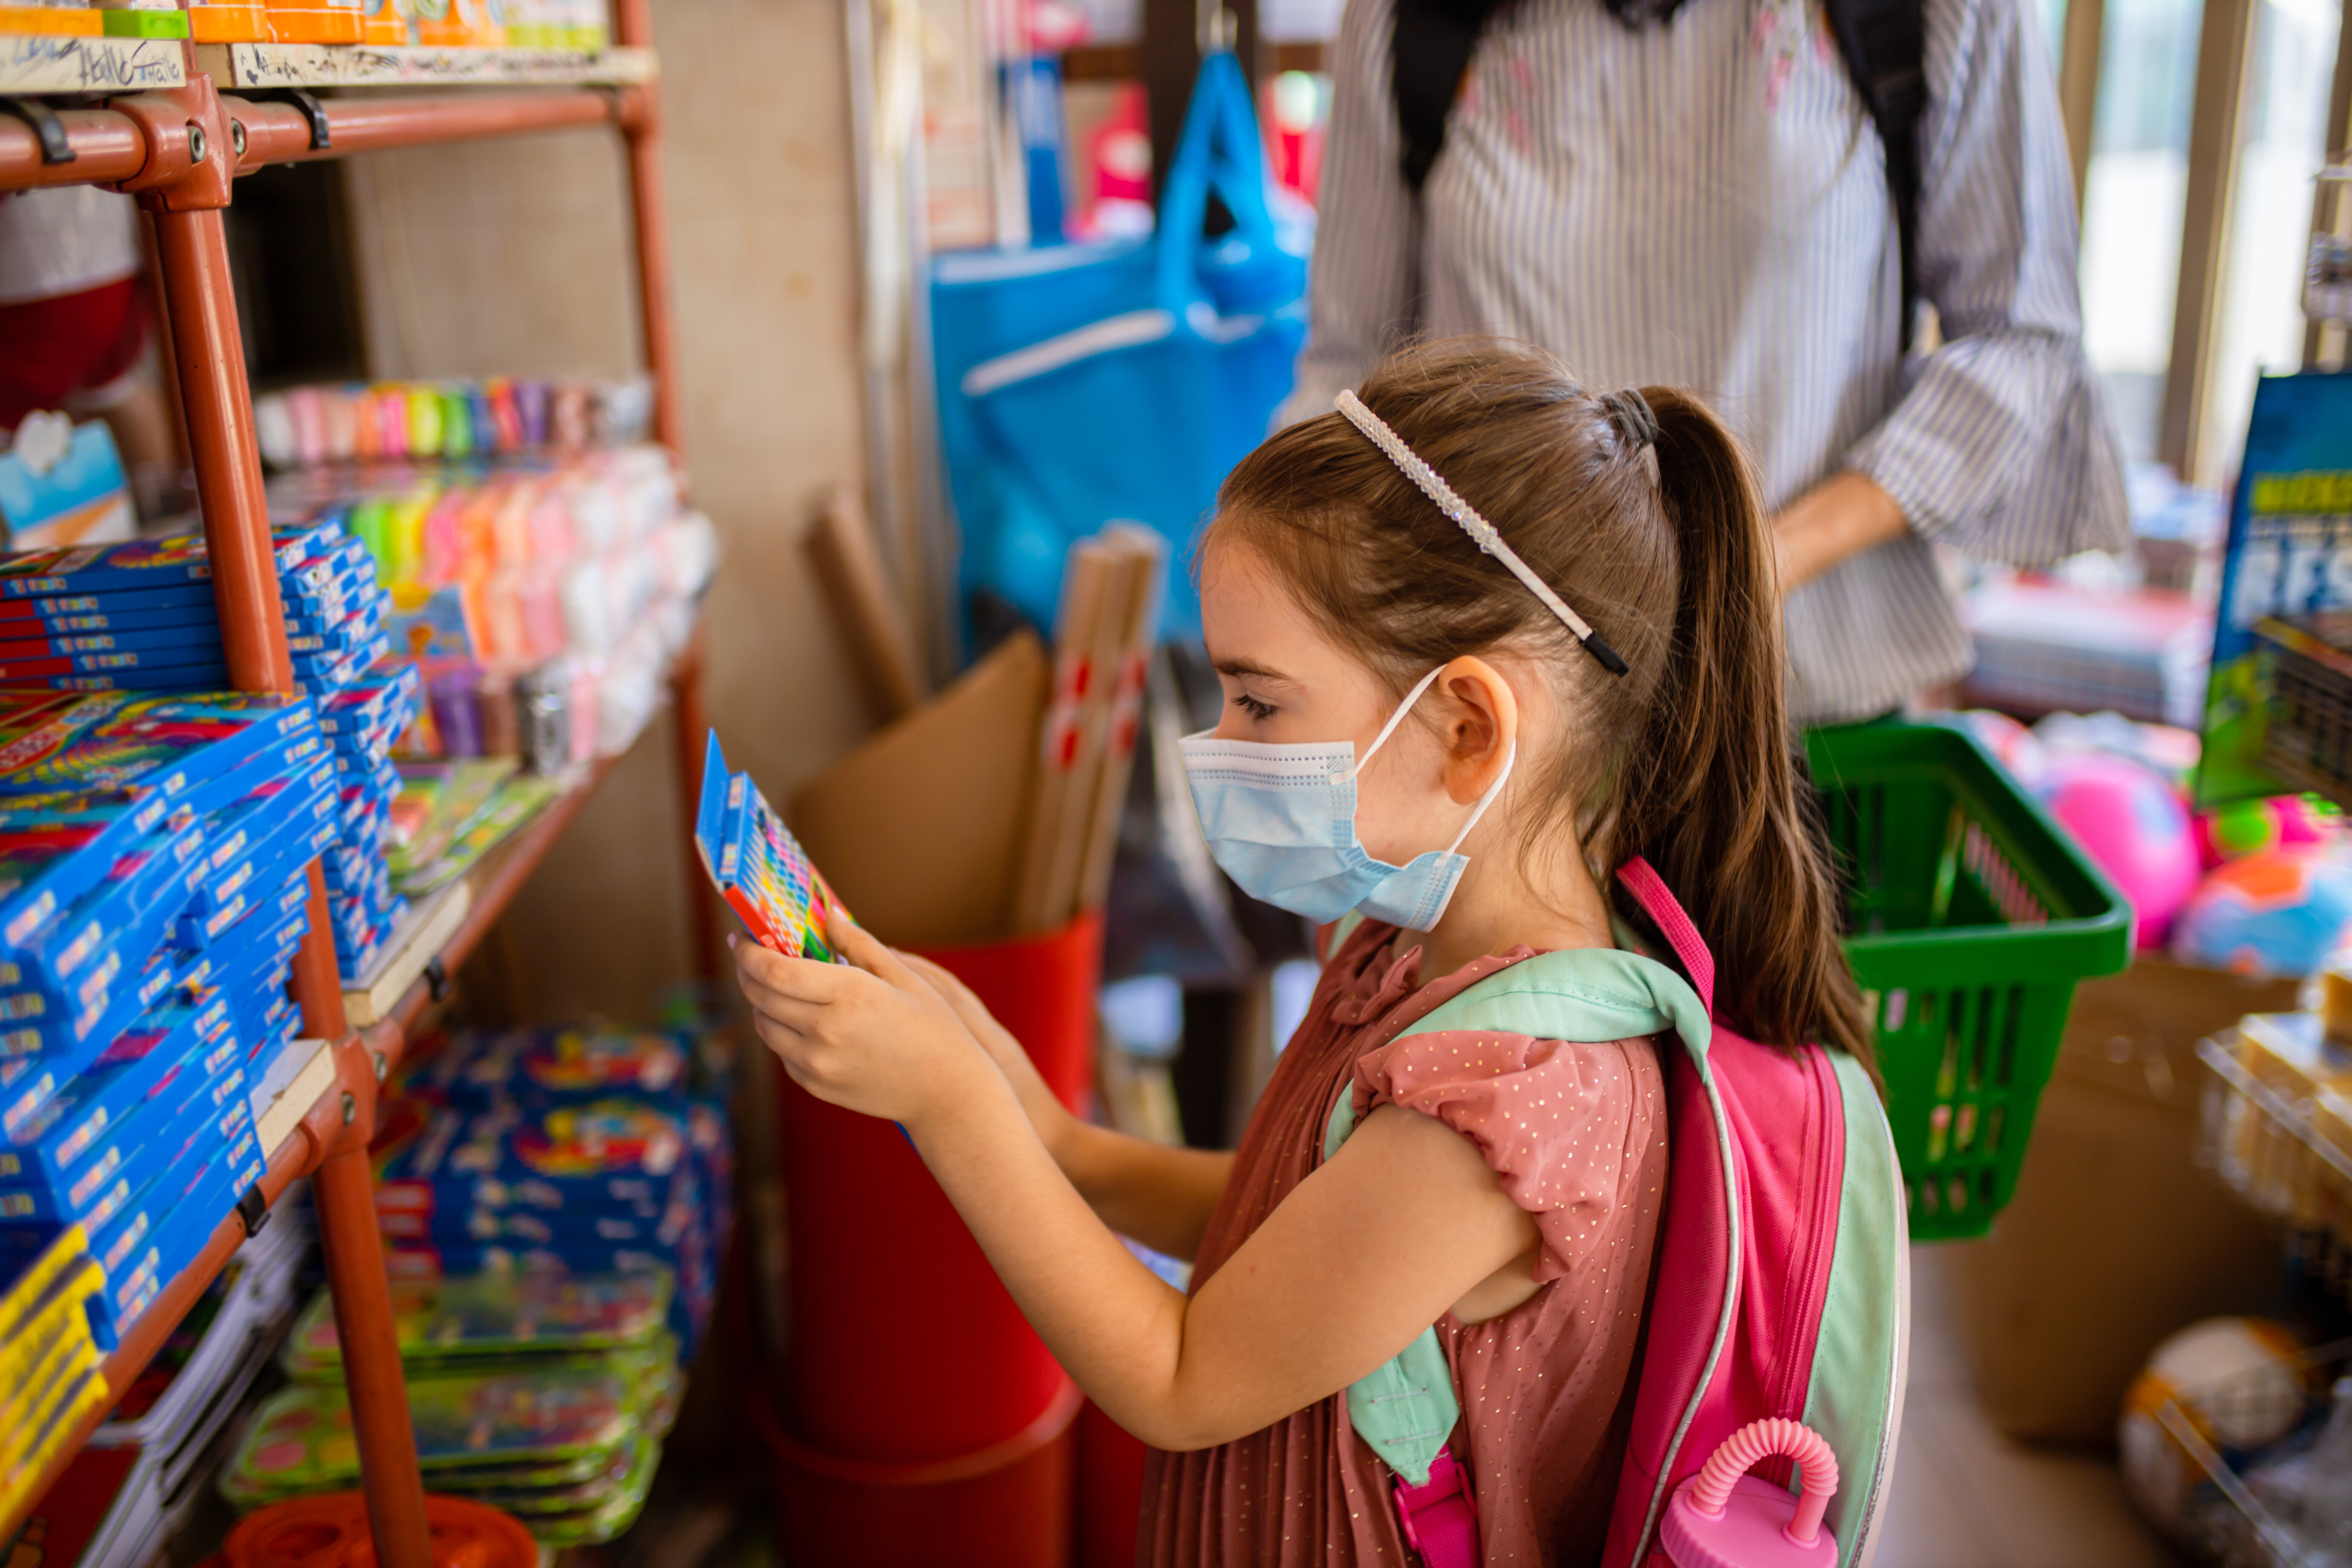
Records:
x=2280, y=912
x=759, y=867
x=2132, y=825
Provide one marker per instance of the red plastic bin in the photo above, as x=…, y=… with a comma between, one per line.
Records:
x=910, y=1369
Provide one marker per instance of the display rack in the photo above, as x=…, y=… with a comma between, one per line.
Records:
x=172, y=136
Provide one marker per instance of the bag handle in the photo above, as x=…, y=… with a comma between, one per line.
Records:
x=1219, y=148
x=1649, y=889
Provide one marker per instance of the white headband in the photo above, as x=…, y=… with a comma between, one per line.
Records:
x=1481, y=532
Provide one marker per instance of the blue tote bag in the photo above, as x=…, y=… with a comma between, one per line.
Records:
x=1081, y=385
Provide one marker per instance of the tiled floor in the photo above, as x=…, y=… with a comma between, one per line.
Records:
x=1966, y=1497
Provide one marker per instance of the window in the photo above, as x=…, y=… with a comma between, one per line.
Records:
x=2285, y=137
x=2132, y=205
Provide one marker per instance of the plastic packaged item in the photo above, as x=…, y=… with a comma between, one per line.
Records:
x=302, y=1438
x=494, y=1315
x=542, y=708
x=67, y=21
x=759, y=867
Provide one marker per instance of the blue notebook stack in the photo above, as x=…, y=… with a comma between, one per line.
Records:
x=153, y=888
x=140, y=616
x=567, y=1151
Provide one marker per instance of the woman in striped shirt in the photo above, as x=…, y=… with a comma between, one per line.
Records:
x=1701, y=200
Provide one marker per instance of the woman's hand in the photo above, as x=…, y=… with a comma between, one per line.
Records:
x=871, y=1036
x=1053, y=1120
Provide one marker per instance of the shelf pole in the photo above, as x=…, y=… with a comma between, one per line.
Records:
x=200, y=304
x=633, y=26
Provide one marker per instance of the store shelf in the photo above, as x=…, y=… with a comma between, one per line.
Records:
x=33, y=63
x=171, y=136
x=235, y=68
x=108, y=145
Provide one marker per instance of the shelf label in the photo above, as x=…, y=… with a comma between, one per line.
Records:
x=38, y=63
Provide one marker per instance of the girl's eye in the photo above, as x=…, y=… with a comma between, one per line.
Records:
x=1253, y=707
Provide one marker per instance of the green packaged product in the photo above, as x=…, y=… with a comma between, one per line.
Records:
x=602, y=1522
x=450, y=1320
x=301, y=1438
x=581, y=1496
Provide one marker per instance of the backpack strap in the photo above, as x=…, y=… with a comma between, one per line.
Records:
x=1429, y=54
x=1885, y=46
x=1406, y=1407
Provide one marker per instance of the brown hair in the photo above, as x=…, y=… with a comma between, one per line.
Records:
x=1688, y=759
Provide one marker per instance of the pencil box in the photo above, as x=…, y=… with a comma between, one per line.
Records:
x=123, y=741
x=480, y=1069
x=146, y=1142
x=182, y=1233
x=198, y=642
x=129, y=913
x=182, y=599
x=615, y=1155
x=120, y=1243
x=140, y=564
x=194, y=618
x=138, y=1066
x=193, y=935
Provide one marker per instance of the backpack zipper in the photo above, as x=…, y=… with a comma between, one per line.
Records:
x=1821, y=1233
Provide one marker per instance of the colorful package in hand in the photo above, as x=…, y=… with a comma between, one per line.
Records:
x=760, y=868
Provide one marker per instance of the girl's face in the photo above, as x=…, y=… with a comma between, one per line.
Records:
x=1287, y=684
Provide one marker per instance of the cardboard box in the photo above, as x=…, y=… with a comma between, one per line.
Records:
x=2115, y=1238
x=918, y=830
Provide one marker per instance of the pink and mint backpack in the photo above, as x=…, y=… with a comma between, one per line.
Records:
x=1779, y=1313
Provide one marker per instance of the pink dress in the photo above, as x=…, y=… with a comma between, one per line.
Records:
x=1577, y=1135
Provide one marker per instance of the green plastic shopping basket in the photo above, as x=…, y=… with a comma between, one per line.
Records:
x=1969, y=917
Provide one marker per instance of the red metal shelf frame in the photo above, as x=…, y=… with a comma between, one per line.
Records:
x=178, y=150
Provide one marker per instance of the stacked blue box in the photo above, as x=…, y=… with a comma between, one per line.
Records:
x=153, y=888
x=578, y=1151
x=140, y=616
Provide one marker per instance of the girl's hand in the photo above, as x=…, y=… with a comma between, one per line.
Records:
x=870, y=1035
x=1052, y=1120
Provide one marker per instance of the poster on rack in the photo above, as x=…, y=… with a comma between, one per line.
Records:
x=2289, y=553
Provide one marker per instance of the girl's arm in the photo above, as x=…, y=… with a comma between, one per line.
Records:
x=1403, y=1223
x=1160, y=1197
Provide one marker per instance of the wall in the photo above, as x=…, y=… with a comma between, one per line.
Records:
x=511, y=257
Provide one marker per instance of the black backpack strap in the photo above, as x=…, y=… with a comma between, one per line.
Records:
x=1884, y=44
x=1427, y=59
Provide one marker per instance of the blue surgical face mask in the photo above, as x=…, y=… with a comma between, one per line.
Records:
x=1281, y=820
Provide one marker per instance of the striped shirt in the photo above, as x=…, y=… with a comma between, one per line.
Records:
x=1704, y=205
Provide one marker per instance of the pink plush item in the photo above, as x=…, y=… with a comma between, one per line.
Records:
x=2134, y=827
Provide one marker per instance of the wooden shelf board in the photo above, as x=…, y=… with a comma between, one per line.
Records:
x=33, y=63
x=242, y=68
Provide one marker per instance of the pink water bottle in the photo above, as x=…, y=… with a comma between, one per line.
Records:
x=1724, y=1518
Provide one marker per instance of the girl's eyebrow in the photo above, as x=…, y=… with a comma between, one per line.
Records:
x=1241, y=667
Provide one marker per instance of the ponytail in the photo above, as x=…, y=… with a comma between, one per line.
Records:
x=1711, y=792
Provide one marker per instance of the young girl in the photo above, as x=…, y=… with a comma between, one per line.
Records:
x=1462, y=744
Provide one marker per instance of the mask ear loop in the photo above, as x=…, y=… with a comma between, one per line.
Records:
x=1487, y=799
x=1396, y=718
x=1510, y=758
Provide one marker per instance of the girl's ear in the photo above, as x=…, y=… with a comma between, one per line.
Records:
x=1482, y=723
